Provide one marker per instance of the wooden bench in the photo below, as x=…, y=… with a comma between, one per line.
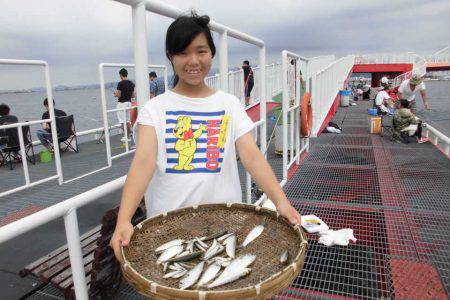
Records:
x=102, y=271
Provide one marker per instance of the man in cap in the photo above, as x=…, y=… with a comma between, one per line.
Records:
x=408, y=89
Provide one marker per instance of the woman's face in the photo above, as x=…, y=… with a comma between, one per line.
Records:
x=193, y=64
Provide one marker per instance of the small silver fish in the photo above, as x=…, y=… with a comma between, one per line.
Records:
x=230, y=278
x=210, y=273
x=192, y=276
x=168, y=245
x=284, y=257
x=169, y=253
x=190, y=246
x=253, y=234
x=215, y=251
x=186, y=265
x=181, y=274
x=224, y=237
x=186, y=257
x=214, y=235
x=235, y=270
x=201, y=243
x=165, y=265
x=230, y=246
x=174, y=273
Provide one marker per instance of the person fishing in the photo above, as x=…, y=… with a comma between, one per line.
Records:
x=249, y=81
x=188, y=138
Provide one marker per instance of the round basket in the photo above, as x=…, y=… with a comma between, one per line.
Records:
x=268, y=275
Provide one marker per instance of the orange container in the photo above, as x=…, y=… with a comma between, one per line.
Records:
x=375, y=125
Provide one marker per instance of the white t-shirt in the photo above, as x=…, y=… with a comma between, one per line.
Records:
x=381, y=96
x=195, y=164
x=405, y=90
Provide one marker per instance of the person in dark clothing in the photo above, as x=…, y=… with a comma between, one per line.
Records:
x=5, y=119
x=45, y=134
x=249, y=81
x=124, y=93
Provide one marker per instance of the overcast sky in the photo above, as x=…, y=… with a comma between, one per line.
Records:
x=74, y=36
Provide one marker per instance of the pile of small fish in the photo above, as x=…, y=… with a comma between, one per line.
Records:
x=177, y=255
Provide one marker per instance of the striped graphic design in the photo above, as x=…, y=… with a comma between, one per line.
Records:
x=192, y=140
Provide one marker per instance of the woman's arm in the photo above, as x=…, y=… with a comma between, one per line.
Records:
x=139, y=175
x=256, y=164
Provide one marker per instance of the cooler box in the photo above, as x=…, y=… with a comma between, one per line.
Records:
x=375, y=125
x=372, y=111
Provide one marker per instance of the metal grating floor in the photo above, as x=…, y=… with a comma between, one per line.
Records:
x=396, y=199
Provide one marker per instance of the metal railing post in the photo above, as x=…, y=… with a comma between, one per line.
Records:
x=51, y=110
x=284, y=103
x=75, y=254
x=24, y=156
x=223, y=61
x=262, y=98
x=105, y=115
x=140, y=52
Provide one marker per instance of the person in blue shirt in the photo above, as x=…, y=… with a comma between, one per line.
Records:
x=156, y=85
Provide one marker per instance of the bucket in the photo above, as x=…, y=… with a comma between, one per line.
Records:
x=375, y=125
x=45, y=156
x=345, y=97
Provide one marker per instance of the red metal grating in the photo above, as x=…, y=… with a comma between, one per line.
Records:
x=30, y=209
x=416, y=280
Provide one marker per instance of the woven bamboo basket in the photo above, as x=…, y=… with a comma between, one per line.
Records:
x=268, y=275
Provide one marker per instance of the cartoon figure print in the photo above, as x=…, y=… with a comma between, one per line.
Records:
x=186, y=144
x=195, y=141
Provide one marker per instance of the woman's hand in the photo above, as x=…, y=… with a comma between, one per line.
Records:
x=121, y=237
x=289, y=212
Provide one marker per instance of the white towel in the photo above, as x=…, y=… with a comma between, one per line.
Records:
x=336, y=237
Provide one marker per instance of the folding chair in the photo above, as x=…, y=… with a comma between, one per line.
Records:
x=66, y=132
x=13, y=146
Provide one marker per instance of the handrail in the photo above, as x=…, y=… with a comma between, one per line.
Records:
x=419, y=68
x=325, y=87
x=52, y=127
x=438, y=137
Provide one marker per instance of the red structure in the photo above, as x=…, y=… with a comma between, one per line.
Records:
x=438, y=66
x=380, y=70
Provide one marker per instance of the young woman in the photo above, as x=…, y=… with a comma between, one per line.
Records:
x=187, y=139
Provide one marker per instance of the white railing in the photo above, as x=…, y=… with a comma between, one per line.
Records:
x=105, y=111
x=437, y=137
x=440, y=56
x=236, y=84
x=291, y=105
x=319, y=63
x=51, y=120
x=385, y=58
x=419, y=68
x=325, y=87
x=273, y=80
x=213, y=82
x=68, y=210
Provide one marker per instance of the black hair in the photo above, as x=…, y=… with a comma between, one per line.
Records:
x=183, y=31
x=123, y=72
x=247, y=62
x=152, y=74
x=404, y=103
x=4, y=109
x=46, y=102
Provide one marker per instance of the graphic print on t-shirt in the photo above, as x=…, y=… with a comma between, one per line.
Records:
x=195, y=141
